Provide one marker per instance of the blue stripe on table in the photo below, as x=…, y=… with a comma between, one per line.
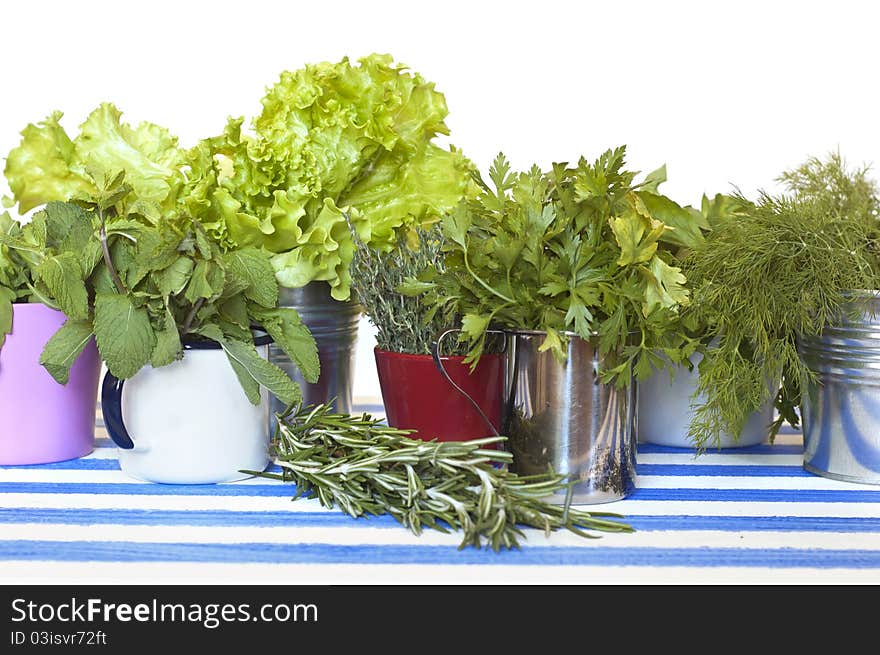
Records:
x=762, y=449
x=284, y=489
x=236, y=519
x=97, y=551
x=740, y=470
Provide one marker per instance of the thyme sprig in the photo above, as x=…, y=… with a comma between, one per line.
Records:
x=403, y=323
x=364, y=467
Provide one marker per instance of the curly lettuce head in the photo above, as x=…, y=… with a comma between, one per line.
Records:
x=337, y=147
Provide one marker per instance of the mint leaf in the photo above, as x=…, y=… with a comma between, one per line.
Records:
x=173, y=279
x=64, y=347
x=6, y=299
x=253, y=266
x=167, y=348
x=252, y=370
x=68, y=226
x=235, y=310
x=265, y=373
x=124, y=334
x=63, y=278
x=90, y=256
x=198, y=286
x=285, y=326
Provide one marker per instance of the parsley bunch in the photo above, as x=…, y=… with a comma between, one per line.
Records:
x=580, y=250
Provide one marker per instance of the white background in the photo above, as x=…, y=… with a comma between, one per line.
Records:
x=724, y=93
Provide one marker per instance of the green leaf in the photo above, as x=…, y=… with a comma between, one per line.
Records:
x=68, y=226
x=173, y=279
x=285, y=326
x=253, y=370
x=124, y=334
x=456, y=225
x=685, y=227
x=90, y=256
x=665, y=286
x=63, y=278
x=235, y=310
x=267, y=374
x=414, y=287
x=553, y=343
x=44, y=166
x=654, y=179
x=64, y=347
x=474, y=325
x=580, y=317
x=254, y=267
x=168, y=348
x=6, y=299
x=636, y=235
x=199, y=286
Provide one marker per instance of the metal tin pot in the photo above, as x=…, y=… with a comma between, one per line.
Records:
x=334, y=325
x=841, y=410
x=561, y=415
x=665, y=410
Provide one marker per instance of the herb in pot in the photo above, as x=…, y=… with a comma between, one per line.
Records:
x=403, y=323
x=367, y=468
x=580, y=249
x=781, y=268
x=336, y=144
x=47, y=261
x=117, y=248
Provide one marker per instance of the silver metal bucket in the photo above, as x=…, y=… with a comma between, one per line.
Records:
x=841, y=410
x=562, y=416
x=334, y=325
x=665, y=410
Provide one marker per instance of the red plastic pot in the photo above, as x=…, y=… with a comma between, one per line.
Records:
x=417, y=396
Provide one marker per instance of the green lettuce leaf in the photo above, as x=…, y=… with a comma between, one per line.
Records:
x=337, y=147
x=45, y=166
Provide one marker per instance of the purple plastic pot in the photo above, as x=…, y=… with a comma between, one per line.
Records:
x=42, y=421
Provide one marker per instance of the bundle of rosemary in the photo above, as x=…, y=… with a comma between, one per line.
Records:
x=365, y=467
x=778, y=269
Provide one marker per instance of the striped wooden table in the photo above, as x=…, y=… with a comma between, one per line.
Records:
x=749, y=515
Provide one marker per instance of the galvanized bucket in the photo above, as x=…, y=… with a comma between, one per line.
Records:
x=841, y=410
x=334, y=325
x=665, y=410
x=560, y=416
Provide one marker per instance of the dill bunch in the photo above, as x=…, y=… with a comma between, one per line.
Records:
x=403, y=323
x=781, y=268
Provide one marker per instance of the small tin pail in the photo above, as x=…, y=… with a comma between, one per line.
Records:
x=561, y=416
x=841, y=410
x=334, y=325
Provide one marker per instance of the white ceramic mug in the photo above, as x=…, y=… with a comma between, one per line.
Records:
x=189, y=422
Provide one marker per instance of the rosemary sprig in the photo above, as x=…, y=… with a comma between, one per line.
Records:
x=365, y=467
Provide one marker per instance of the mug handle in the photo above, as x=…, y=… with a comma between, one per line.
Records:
x=111, y=408
x=435, y=352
